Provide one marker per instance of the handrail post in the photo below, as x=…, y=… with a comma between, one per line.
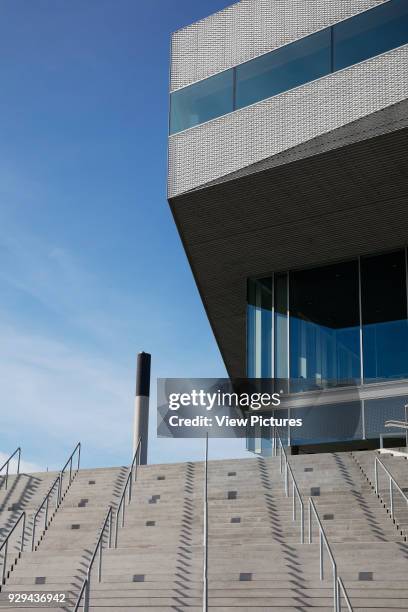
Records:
x=205, y=530
x=4, y=563
x=391, y=499
x=116, y=527
x=110, y=530
x=280, y=455
x=7, y=473
x=321, y=555
x=293, y=501
x=286, y=478
x=46, y=514
x=87, y=592
x=100, y=560
x=310, y=523
x=302, y=524
x=335, y=588
x=33, y=534
x=376, y=475
x=18, y=460
x=23, y=533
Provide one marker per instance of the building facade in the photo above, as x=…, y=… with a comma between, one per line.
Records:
x=288, y=182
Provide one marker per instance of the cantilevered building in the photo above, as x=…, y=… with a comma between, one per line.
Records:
x=288, y=182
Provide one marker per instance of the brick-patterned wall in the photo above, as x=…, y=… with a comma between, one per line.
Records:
x=249, y=28
x=229, y=143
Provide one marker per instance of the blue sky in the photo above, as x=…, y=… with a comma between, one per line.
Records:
x=91, y=267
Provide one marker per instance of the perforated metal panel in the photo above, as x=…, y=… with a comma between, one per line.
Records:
x=229, y=143
x=249, y=28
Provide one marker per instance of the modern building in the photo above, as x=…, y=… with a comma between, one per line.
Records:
x=288, y=182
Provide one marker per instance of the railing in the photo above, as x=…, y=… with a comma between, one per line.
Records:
x=391, y=484
x=85, y=591
x=337, y=583
x=285, y=468
x=5, y=544
x=131, y=477
x=77, y=450
x=45, y=505
x=205, y=529
x=7, y=464
x=342, y=591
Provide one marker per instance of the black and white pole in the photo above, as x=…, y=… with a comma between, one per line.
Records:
x=141, y=418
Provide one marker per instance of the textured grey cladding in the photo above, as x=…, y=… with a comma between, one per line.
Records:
x=227, y=144
x=250, y=28
x=342, y=202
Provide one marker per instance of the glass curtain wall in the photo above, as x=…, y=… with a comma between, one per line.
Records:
x=336, y=325
x=384, y=317
x=325, y=326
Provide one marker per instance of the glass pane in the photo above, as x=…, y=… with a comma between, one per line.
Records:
x=281, y=326
x=302, y=61
x=384, y=314
x=328, y=423
x=324, y=326
x=371, y=33
x=201, y=102
x=259, y=345
x=378, y=411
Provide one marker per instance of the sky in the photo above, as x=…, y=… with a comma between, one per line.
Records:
x=91, y=266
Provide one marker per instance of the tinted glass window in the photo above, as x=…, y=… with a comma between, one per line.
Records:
x=325, y=325
x=292, y=65
x=281, y=326
x=384, y=316
x=201, y=102
x=260, y=328
x=371, y=33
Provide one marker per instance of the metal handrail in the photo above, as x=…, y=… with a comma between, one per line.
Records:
x=71, y=476
x=392, y=482
x=7, y=464
x=295, y=490
x=205, y=530
x=86, y=585
x=342, y=590
x=395, y=423
x=46, y=502
x=5, y=544
x=323, y=540
x=60, y=494
x=132, y=475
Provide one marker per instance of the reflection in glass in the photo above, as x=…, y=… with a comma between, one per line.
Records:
x=328, y=423
x=201, y=102
x=378, y=411
x=260, y=328
x=373, y=32
x=281, y=326
x=324, y=325
x=297, y=63
x=384, y=316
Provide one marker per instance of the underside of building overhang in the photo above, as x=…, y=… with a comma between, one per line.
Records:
x=340, y=195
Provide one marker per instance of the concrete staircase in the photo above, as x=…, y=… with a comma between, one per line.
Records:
x=371, y=555
x=61, y=559
x=24, y=492
x=397, y=465
x=256, y=561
